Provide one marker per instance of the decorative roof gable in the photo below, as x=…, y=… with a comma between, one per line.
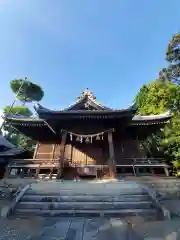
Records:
x=86, y=101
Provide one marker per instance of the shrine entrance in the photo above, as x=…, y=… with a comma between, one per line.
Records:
x=85, y=156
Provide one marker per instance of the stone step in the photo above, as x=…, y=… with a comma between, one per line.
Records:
x=85, y=186
x=85, y=205
x=81, y=183
x=85, y=213
x=82, y=198
x=84, y=192
x=95, y=187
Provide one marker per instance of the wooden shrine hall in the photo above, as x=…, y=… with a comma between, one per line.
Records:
x=88, y=140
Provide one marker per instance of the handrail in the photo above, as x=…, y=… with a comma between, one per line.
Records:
x=134, y=161
x=42, y=159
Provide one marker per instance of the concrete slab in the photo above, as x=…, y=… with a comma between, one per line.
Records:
x=172, y=205
x=162, y=230
x=88, y=229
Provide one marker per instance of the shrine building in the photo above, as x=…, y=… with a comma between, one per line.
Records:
x=88, y=140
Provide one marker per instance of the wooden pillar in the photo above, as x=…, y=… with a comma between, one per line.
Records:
x=61, y=158
x=53, y=152
x=37, y=171
x=111, y=161
x=166, y=171
x=152, y=171
x=7, y=172
x=36, y=150
x=51, y=172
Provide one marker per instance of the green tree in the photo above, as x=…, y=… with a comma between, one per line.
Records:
x=155, y=98
x=26, y=91
x=16, y=110
x=173, y=58
x=12, y=134
x=22, y=110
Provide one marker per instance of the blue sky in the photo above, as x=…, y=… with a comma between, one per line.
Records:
x=110, y=46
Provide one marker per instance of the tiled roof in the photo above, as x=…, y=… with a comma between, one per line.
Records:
x=11, y=149
x=151, y=117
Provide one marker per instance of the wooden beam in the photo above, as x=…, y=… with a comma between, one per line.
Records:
x=111, y=161
x=50, y=127
x=61, y=158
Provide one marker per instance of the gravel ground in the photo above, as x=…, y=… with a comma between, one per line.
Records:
x=20, y=229
x=86, y=229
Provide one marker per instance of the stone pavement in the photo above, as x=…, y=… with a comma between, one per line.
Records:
x=66, y=229
x=88, y=229
x=172, y=205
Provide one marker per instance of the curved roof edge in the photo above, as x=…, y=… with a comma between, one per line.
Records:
x=22, y=118
x=41, y=109
x=138, y=118
x=12, y=150
x=166, y=115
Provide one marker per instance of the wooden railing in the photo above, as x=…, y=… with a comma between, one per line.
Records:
x=33, y=161
x=148, y=161
x=131, y=161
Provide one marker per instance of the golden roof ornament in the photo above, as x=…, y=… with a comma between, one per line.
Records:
x=87, y=93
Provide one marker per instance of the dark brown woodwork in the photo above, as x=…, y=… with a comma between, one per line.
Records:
x=111, y=160
x=37, y=172
x=53, y=151
x=86, y=154
x=120, y=149
x=61, y=157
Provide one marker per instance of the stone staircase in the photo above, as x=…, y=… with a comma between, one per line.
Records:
x=84, y=199
x=166, y=187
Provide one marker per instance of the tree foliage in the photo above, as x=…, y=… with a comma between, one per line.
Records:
x=12, y=134
x=29, y=91
x=155, y=98
x=25, y=91
x=162, y=95
x=21, y=110
x=173, y=57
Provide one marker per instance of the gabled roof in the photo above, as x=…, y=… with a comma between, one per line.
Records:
x=45, y=130
x=86, y=101
x=42, y=111
x=86, y=105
